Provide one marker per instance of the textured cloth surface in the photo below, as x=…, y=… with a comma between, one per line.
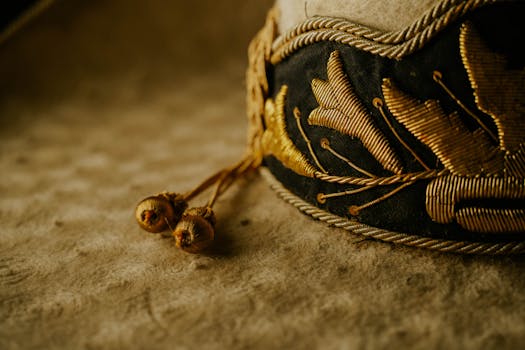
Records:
x=378, y=14
x=103, y=104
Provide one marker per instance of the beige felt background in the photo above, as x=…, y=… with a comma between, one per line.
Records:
x=379, y=14
x=103, y=103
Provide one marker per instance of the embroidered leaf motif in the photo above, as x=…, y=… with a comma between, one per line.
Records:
x=275, y=140
x=480, y=170
x=461, y=151
x=498, y=90
x=340, y=109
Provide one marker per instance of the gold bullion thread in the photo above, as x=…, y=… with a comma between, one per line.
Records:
x=443, y=245
x=461, y=151
x=275, y=139
x=340, y=109
x=498, y=90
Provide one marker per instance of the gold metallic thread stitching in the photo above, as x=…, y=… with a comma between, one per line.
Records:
x=442, y=245
x=396, y=44
x=378, y=103
x=297, y=115
x=461, y=151
x=480, y=170
x=257, y=88
x=438, y=78
x=444, y=194
x=381, y=181
x=498, y=90
x=326, y=145
x=340, y=109
x=475, y=168
x=275, y=139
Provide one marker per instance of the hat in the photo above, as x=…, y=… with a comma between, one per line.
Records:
x=404, y=128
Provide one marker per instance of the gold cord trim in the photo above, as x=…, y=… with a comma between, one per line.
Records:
x=229, y=176
x=381, y=181
x=396, y=44
x=476, y=169
x=257, y=87
x=449, y=246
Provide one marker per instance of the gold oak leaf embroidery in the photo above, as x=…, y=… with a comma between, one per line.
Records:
x=461, y=151
x=340, y=109
x=275, y=140
x=498, y=91
x=478, y=169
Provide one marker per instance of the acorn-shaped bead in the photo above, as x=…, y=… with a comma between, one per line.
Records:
x=161, y=212
x=195, y=230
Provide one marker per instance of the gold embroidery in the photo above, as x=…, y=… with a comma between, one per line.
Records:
x=438, y=78
x=446, y=193
x=326, y=145
x=393, y=44
x=276, y=142
x=351, y=225
x=275, y=139
x=461, y=151
x=486, y=187
x=297, y=115
x=489, y=220
x=340, y=109
x=476, y=170
x=381, y=181
x=321, y=197
x=355, y=209
x=515, y=163
x=259, y=52
x=378, y=103
x=499, y=91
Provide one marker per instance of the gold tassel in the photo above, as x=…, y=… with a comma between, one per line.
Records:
x=193, y=228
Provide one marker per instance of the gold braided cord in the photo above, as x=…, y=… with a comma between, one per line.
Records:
x=464, y=247
x=381, y=181
x=394, y=44
x=257, y=88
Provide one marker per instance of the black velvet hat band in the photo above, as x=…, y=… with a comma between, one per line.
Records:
x=425, y=139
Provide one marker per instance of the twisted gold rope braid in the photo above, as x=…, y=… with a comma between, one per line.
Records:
x=381, y=181
x=395, y=44
x=464, y=247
